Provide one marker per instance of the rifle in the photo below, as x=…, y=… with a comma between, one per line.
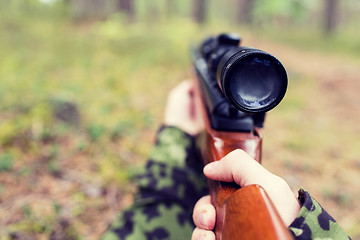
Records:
x=238, y=85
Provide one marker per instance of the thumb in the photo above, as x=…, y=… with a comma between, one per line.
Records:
x=239, y=167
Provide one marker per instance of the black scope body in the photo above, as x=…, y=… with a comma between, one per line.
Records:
x=252, y=80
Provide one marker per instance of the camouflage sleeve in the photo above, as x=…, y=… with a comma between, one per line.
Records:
x=313, y=222
x=167, y=191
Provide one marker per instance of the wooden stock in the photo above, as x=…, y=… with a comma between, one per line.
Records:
x=245, y=213
x=250, y=214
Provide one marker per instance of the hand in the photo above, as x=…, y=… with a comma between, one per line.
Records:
x=239, y=167
x=183, y=109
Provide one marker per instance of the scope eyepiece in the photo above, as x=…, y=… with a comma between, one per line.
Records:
x=251, y=79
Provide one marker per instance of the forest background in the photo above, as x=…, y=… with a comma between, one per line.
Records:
x=83, y=85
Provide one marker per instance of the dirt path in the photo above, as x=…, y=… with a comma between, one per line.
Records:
x=337, y=76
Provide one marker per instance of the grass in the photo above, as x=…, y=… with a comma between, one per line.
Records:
x=81, y=102
x=344, y=43
x=98, y=75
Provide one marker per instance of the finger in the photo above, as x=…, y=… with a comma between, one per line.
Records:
x=177, y=103
x=185, y=86
x=204, y=214
x=193, y=109
x=202, y=234
x=239, y=167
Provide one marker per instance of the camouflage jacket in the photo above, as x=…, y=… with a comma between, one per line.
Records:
x=172, y=183
x=313, y=222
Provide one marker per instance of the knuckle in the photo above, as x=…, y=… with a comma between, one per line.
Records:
x=234, y=155
x=238, y=152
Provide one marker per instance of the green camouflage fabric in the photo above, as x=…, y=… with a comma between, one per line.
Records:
x=171, y=184
x=168, y=190
x=313, y=222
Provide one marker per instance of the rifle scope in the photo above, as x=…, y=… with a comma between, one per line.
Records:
x=252, y=80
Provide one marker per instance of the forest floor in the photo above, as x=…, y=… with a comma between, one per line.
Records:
x=325, y=153
x=69, y=177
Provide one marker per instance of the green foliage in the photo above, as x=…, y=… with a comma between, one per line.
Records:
x=57, y=207
x=26, y=209
x=339, y=196
x=346, y=42
x=53, y=166
x=292, y=10
x=96, y=131
x=117, y=76
x=6, y=162
x=111, y=73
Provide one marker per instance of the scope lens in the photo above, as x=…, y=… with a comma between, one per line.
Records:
x=255, y=82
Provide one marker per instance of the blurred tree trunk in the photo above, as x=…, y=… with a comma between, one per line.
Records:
x=244, y=11
x=87, y=8
x=171, y=8
x=199, y=10
x=331, y=16
x=128, y=7
x=154, y=13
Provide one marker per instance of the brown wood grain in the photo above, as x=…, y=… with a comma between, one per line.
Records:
x=245, y=213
